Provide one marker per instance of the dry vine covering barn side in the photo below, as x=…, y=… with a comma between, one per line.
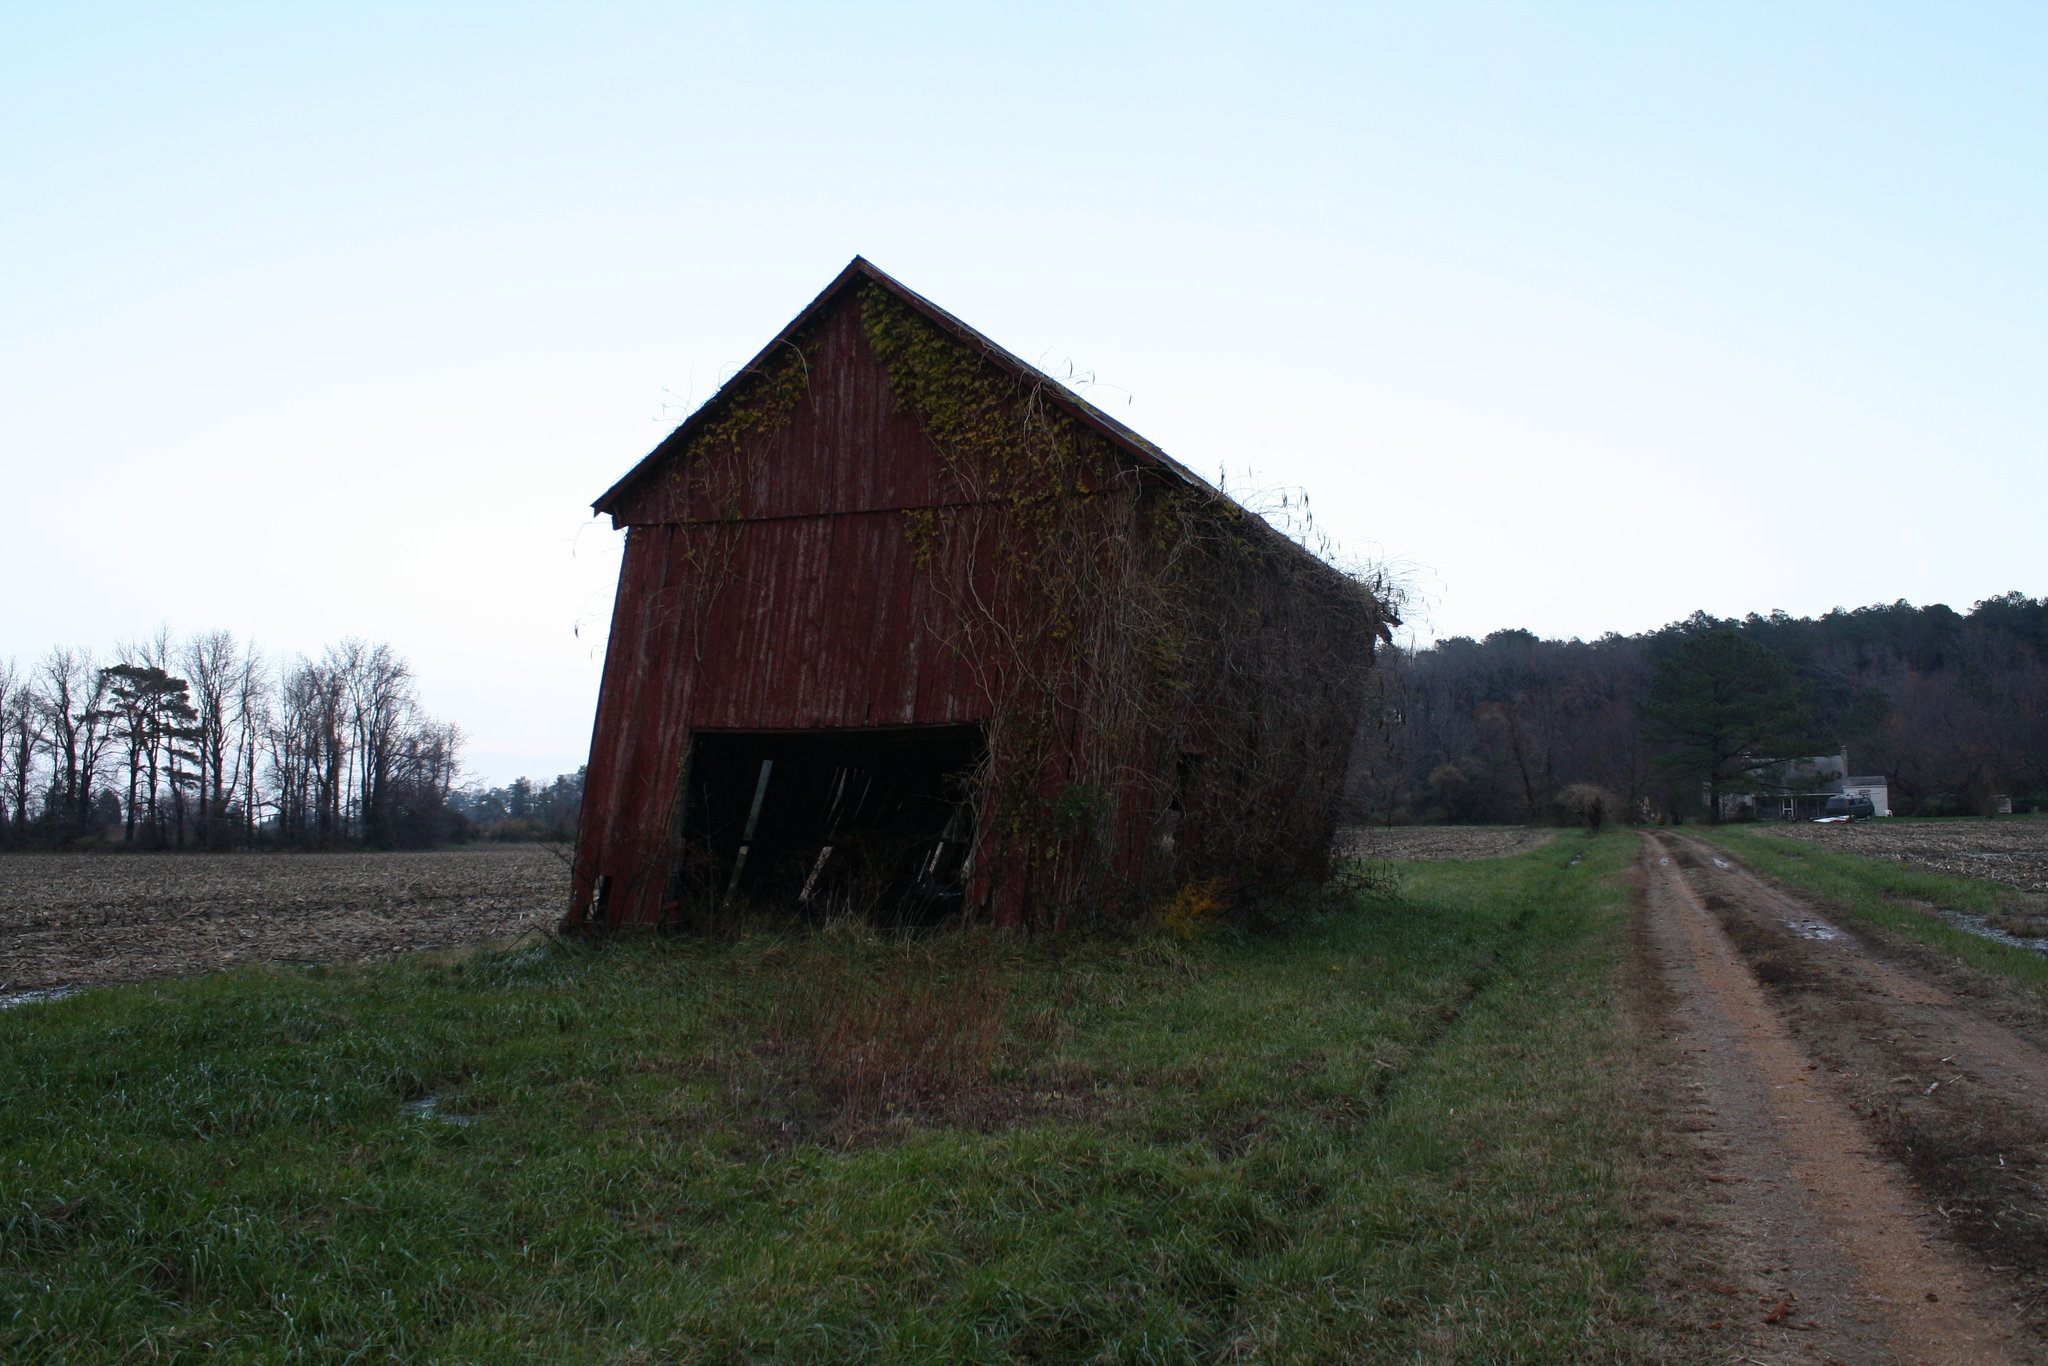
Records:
x=906, y=629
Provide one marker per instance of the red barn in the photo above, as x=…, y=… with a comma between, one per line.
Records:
x=904, y=627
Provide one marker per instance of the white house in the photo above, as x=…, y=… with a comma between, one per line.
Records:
x=1799, y=790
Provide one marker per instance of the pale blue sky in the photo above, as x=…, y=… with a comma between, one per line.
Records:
x=319, y=321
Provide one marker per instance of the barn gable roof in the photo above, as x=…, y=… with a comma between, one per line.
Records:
x=857, y=271
x=1140, y=451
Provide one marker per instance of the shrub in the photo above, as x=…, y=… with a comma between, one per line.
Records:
x=1590, y=803
x=1197, y=906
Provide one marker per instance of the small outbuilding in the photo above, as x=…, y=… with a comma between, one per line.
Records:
x=905, y=628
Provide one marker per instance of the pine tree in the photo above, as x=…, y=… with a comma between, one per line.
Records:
x=1728, y=710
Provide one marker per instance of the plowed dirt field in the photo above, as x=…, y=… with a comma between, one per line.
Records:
x=74, y=920
x=1428, y=843
x=2012, y=851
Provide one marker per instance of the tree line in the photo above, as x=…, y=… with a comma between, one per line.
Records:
x=523, y=809
x=1951, y=707
x=204, y=742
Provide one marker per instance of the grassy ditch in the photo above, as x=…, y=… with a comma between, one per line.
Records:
x=1414, y=1133
x=1882, y=893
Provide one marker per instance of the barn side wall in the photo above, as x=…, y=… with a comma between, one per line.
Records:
x=1191, y=722
x=1271, y=717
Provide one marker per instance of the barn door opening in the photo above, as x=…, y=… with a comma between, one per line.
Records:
x=869, y=823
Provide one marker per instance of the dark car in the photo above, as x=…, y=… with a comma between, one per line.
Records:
x=1849, y=806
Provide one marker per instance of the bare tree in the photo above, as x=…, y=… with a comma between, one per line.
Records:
x=309, y=750
x=292, y=739
x=419, y=781
x=380, y=703
x=63, y=678
x=212, y=661
x=79, y=729
x=1590, y=803
x=27, y=732
x=253, y=716
x=13, y=772
x=331, y=750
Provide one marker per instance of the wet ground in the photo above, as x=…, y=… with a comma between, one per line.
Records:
x=1870, y=1117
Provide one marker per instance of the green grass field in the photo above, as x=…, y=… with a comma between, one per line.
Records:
x=1414, y=1132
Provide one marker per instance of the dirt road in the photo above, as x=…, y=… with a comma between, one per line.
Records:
x=1872, y=1134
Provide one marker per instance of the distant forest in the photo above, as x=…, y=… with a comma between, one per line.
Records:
x=1951, y=707
x=523, y=809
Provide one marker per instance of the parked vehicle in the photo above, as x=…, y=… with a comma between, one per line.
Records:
x=1847, y=807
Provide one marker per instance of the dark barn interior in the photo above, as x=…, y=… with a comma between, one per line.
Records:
x=905, y=630
x=874, y=823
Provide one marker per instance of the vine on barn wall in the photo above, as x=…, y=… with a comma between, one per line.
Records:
x=1140, y=639
x=770, y=396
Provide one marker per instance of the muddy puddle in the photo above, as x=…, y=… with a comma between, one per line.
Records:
x=1981, y=927
x=9, y=1000
x=429, y=1107
x=1811, y=929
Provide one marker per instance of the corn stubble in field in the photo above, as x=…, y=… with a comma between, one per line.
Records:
x=1413, y=1132
x=2011, y=851
x=70, y=920
x=1427, y=843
